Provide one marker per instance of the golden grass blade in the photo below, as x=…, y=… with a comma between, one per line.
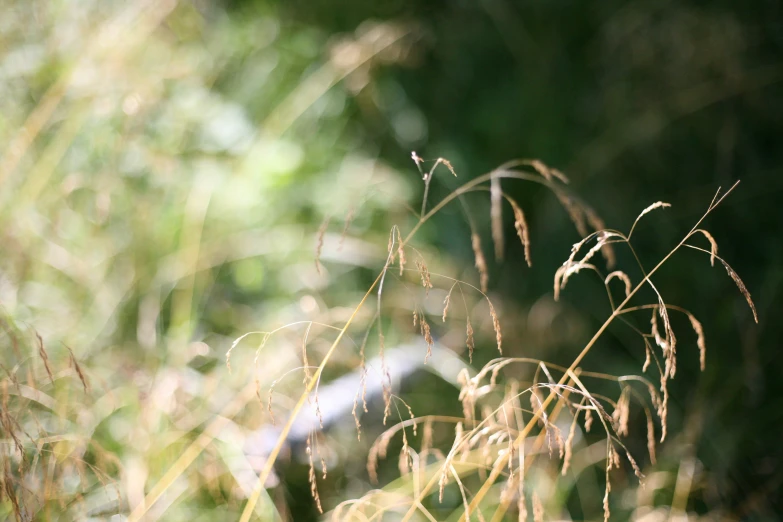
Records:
x=520, y=224
x=742, y=288
x=623, y=277
x=657, y=204
x=713, y=244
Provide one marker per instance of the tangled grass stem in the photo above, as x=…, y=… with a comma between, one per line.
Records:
x=502, y=462
x=267, y=469
x=270, y=461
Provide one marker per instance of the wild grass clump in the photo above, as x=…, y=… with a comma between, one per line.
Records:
x=510, y=428
x=50, y=462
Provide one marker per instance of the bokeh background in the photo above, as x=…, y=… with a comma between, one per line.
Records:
x=166, y=167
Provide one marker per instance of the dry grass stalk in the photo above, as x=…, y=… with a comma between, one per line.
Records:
x=481, y=262
x=10, y=492
x=623, y=277
x=426, y=437
x=427, y=334
x=78, y=369
x=650, y=436
x=575, y=212
x=465, y=503
x=657, y=204
x=268, y=402
x=647, y=354
x=579, y=213
x=569, y=444
x=668, y=344
x=536, y=405
x=362, y=387
x=713, y=244
x=424, y=273
x=599, y=226
x=354, y=412
x=416, y=159
x=311, y=475
x=318, y=414
x=264, y=338
x=504, y=408
x=735, y=277
x=608, y=488
x=427, y=176
x=469, y=339
x=447, y=302
x=319, y=244
x=496, y=326
x=490, y=434
x=538, y=508
x=448, y=165
x=521, y=503
x=9, y=425
x=44, y=357
x=405, y=461
x=305, y=362
x=742, y=288
x=520, y=224
x=547, y=172
x=443, y=478
x=700, y=342
x=400, y=250
x=496, y=216
x=558, y=435
x=390, y=244
x=636, y=470
x=467, y=394
x=588, y=419
x=621, y=413
x=571, y=266
x=663, y=407
x=378, y=451
x=385, y=377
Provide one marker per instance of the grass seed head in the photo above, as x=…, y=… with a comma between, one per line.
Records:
x=496, y=326
x=44, y=357
x=427, y=334
x=520, y=224
x=424, y=273
x=481, y=262
x=713, y=244
x=538, y=508
x=469, y=339
x=742, y=288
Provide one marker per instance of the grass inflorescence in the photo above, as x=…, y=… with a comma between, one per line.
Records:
x=508, y=423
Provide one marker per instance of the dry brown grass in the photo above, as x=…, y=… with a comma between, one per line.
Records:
x=46, y=465
x=497, y=439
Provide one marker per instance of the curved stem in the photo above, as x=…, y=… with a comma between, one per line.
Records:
x=270, y=461
x=503, y=461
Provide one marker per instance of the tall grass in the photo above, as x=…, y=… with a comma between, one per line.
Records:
x=499, y=437
x=137, y=236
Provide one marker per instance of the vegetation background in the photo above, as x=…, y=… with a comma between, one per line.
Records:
x=166, y=167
